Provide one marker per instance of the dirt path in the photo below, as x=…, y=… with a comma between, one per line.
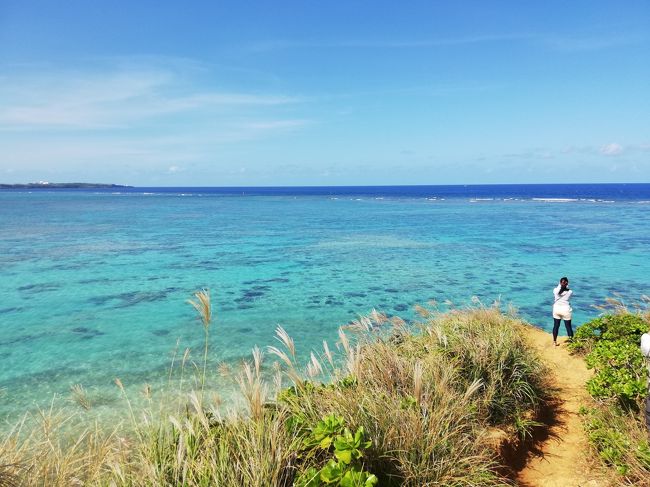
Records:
x=558, y=459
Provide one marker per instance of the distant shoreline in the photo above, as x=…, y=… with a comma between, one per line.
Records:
x=592, y=192
x=61, y=186
x=47, y=185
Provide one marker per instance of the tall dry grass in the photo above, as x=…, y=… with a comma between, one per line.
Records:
x=429, y=399
x=44, y=449
x=488, y=346
x=203, y=307
x=426, y=396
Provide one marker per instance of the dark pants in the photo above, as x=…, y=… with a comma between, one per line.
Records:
x=647, y=412
x=556, y=328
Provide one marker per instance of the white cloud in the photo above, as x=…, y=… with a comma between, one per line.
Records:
x=115, y=97
x=612, y=149
x=157, y=118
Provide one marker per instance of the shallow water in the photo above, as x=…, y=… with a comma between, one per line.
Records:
x=94, y=284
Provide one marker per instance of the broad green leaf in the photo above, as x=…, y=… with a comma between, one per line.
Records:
x=331, y=472
x=344, y=455
x=371, y=480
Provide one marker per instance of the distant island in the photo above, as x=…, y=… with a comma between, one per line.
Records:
x=48, y=185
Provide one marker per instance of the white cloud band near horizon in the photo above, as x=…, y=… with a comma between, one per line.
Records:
x=151, y=122
x=140, y=119
x=113, y=98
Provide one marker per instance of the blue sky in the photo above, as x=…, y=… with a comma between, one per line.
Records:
x=324, y=93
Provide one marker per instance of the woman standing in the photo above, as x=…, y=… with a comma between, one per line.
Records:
x=562, y=308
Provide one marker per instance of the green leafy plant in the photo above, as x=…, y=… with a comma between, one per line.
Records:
x=348, y=447
x=608, y=328
x=354, y=477
x=619, y=439
x=332, y=472
x=611, y=344
x=345, y=469
x=309, y=478
x=620, y=372
x=336, y=473
x=325, y=432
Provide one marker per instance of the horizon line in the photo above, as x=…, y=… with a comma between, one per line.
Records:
x=49, y=185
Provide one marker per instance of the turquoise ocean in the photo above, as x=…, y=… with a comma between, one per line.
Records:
x=94, y=284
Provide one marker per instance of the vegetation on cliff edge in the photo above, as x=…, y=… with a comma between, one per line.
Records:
x=614, y=423
x=389, y=405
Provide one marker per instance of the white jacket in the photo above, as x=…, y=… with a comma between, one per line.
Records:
x=645, y=350
x=562, y=300
x=645, y=345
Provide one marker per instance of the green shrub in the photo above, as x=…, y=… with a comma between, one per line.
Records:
x=611, y=345
x=625, y=326
x=344, y=471
x=620, y=440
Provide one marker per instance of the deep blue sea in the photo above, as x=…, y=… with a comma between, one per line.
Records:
x=94, y=283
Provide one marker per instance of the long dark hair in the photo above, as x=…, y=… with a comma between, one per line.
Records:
x=563, y=285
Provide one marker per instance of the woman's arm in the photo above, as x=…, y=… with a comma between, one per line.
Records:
x=556, y=292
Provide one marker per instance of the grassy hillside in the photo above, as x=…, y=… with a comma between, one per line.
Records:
x=389, y=404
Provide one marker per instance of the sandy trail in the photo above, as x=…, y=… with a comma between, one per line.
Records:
x=558, y=459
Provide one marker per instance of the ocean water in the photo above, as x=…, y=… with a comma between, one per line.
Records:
x=93, y=284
